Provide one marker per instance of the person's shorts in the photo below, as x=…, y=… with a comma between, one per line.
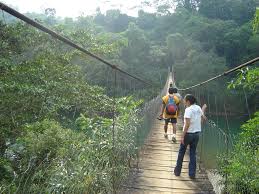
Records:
x=172, y=120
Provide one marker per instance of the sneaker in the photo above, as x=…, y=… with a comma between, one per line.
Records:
x=174, y=139
x=166, y=136
x=176, y=173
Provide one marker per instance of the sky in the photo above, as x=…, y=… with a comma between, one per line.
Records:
x=74, y=8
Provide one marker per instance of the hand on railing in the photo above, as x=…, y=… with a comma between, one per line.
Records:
x=204, y=118
x=204, y=107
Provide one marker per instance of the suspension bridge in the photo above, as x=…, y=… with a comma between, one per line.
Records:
x=152, y=171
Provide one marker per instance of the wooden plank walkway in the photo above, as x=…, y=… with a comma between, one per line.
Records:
x=155, y=173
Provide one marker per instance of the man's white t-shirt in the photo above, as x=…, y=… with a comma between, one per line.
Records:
x=194, y=113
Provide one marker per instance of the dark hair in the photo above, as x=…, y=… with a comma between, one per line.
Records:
x=172, y=90
x=190, y=98
x=175, y=90
x=171, y=84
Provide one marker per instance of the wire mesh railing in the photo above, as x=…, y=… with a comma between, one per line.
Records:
x=150, y=111
x=220, y=138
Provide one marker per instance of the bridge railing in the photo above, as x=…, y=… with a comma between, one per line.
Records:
x=220, y=132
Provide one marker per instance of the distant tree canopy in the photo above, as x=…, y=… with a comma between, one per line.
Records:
x=177, y=48
x=185, y=32
x=240, y=11
x=114, y=20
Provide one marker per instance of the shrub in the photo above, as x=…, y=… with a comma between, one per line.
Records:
x=241, y=167
x=92, y=159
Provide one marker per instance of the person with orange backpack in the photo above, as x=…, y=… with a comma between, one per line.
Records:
x=170, y=111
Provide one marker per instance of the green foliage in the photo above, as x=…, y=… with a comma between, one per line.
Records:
x=241, y=167
x=91, y=159
x=43, y=93
x=113, y=21
x=177, y=47
x=239, y=10
x=206, y=65
x=246, y=78
x=256, y=21
x=46, y=87
x=146, y=20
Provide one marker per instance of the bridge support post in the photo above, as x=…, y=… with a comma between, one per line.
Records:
x=113, y=131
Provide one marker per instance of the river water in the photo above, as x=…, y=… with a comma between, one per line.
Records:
x=218, y=137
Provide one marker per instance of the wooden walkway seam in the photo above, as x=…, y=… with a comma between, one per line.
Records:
x=154, y=173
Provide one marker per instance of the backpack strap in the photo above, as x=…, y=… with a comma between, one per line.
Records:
x=172, y=98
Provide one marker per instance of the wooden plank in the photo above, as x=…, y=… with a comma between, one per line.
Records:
x=162, y=169
x=173, y=184
x=161, y=152
x=152, y=160
x=170, y=176
x=150, y=172
x=171, y=156
x=161, y=145
x=172, y=149
x=155, y=168
x=166, y=165
x=155, y=190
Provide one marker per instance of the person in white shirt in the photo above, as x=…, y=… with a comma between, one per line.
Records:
x=193, y=117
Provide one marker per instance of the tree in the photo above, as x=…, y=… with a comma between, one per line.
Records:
x=138, y=45
x=114, y=20
x=44, y=95
x=177, y=48
x=50, y=13
x=190, y=5
x=168, y=5
x=235, y=44
x=239, y=10
x=242, y=163
x=146, y=21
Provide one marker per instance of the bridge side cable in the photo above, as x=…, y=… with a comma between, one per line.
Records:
x=66, y=41
x=251, y=62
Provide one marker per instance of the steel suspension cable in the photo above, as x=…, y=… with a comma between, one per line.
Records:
x=65, y=40
x=223, y=74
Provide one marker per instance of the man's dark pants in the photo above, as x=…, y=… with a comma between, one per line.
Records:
x=191, y=139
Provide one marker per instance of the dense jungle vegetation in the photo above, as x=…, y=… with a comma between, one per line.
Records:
x=56, y=103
